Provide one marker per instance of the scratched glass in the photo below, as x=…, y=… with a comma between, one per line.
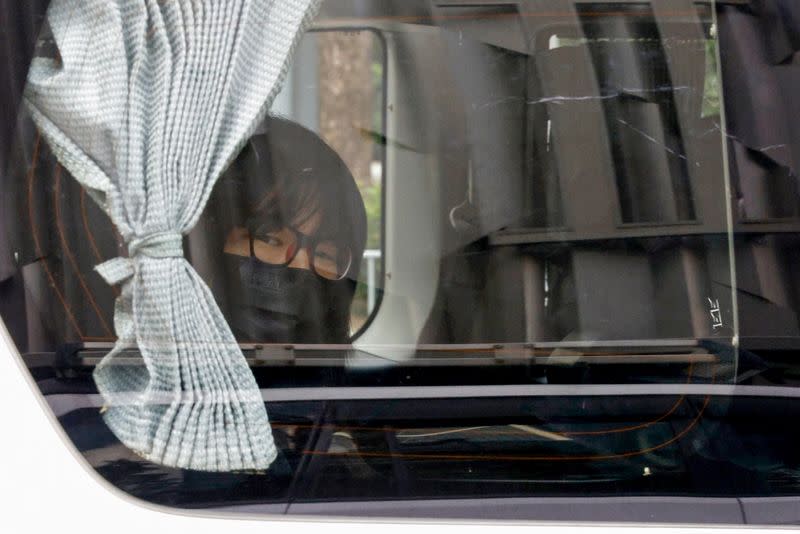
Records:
x=582, y=227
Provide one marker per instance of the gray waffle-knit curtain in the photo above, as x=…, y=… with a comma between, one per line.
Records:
x=146, y=104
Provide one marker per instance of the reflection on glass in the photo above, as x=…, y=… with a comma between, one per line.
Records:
x=542, y=300
x=336, y=88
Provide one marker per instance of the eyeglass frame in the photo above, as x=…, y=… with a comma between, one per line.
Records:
x=305, y=242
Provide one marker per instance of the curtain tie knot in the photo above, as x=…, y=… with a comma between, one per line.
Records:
x=158, y=245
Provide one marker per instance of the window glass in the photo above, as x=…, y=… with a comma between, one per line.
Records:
x=336, y=88
x=537, y=252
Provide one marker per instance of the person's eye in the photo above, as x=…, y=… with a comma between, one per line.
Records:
x=326, y=256
x=272, y=240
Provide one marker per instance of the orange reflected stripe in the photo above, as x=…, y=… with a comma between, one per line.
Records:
x=68, y=252
x=37, y=243
x=484, y=431
x=641, y=426
x=92, y=243
x=510, y=432
x=90, y=235
x=463, y=457
x=512, y=458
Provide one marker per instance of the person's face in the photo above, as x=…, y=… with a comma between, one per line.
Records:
x=294, y=247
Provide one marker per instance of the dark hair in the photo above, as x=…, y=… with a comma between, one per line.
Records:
x=286, y=175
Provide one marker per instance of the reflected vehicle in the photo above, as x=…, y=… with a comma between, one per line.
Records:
x=560, y=268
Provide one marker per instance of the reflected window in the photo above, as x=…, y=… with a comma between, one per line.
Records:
x=631, y=80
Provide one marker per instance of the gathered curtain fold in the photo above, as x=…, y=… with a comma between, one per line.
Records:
x=145, y=103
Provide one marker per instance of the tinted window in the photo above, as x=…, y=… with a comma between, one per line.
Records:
x=566, y=243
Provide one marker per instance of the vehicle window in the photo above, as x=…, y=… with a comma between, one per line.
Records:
x=530, y=260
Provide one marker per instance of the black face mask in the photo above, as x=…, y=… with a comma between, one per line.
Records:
x=278, y=304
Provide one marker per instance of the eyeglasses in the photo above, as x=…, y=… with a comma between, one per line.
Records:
x=328, y=259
